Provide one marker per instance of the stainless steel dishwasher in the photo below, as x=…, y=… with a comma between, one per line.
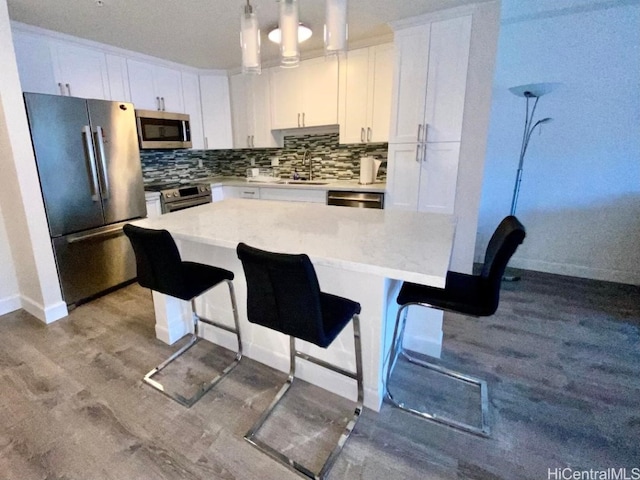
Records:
x=355, y=199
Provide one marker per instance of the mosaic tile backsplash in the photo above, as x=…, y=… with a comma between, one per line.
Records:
x=337, y=162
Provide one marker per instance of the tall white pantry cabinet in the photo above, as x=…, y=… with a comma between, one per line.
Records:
x=428, y=100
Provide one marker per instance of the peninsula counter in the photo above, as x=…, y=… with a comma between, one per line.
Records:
x=361, y=254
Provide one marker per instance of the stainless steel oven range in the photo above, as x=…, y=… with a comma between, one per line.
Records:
x=178, y=196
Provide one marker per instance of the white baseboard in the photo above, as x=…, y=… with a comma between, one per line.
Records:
x=48, y=314
x=10, y=304
x=581, y=271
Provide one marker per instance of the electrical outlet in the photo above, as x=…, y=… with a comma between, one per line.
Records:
x=200, y=163
x=275, y=162
x=253, y=162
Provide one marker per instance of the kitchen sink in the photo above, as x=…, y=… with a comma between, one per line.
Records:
x=302, y=182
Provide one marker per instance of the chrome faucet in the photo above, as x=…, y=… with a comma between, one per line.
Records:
x=306, y=157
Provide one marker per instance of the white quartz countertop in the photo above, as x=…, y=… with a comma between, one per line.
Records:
x=408, y=246
x=343, y=185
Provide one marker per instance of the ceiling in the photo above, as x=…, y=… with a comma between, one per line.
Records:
x=205, y=33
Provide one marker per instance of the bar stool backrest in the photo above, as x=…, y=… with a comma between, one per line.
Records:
x=505, y=240
x=158, y=261
x=283, y=293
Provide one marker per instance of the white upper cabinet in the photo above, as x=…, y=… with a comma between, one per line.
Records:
x=191, y=95
x=60, y=68
x=430, y=81
x=250, y=111
x=154, y=87
x=306, y=96
x=80, y=72
x=216, y=111
x=366, y=80
x=118, y=78
x=35, y=64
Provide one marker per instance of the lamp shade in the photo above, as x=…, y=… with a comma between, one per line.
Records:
x=250, y=41
x=335, y=27
x=289, y=51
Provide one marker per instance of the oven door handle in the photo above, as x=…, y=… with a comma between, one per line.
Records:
x=180, y=204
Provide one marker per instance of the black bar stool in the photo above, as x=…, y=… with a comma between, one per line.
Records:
x=283, y=294
x=476, y=295
x=161, y=269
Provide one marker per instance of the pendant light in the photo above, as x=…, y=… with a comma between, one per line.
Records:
x=335, y=27
x=250, y=41
x=289, y=51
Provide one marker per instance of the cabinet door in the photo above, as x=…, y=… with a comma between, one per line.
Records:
x=118, y=78
x=35, y=65
x=410, y=80
x=259, y=113
x=319, y=85
x=286, y=105
x=240, y=89
x=447, y=79
x=216, y=111
x=355, y=95
x=191, y=93
x=379, y=112
x=439, y=177
x=403, y=174
x=168, y=86
x=143, y=93
x=81, y=72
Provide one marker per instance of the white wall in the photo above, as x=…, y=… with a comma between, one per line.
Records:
x=580, y=196
x=9, y=294
x=20, y=199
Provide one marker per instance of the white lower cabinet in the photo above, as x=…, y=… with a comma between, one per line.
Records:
x=154, y=207
x=276, y=193
x=293, y=195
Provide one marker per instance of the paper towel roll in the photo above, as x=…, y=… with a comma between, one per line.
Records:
x=366, y=170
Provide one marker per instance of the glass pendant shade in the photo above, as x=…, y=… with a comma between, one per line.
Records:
x=335, y=27
x=289, y=51
x=250, y=41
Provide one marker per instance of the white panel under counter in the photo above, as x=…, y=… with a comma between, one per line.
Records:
x=361, y=254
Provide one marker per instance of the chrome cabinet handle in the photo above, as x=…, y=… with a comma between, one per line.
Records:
x=68, y=88
x=253, y=145
x=163, y=107
x=158, y=103
x=298, y=120
x=206, y=143
x=362, y=134
x=303, y=124
x=88, y=145
x=99, y=141
x=61, y=88
x=424, y=132
x=419, y=130
x=368, y=134
x=418, y=148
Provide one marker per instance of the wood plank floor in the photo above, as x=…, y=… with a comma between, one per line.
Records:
x=561, y=356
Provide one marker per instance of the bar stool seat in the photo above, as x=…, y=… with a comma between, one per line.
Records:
x=475, y=295
x=283, y=294
x=160, y=268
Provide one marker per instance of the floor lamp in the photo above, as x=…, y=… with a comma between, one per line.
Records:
x=529, y=92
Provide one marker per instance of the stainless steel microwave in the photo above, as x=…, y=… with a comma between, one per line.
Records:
x=163, y=129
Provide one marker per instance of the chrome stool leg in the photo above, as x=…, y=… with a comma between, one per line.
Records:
x=194, y=339
x=397, y=348
x=250, y=436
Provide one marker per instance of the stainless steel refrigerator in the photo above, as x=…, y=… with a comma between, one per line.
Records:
x=91, y=179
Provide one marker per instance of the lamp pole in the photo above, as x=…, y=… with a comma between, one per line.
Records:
x=531, y=91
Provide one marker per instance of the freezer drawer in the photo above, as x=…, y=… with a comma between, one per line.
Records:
x=93, y=261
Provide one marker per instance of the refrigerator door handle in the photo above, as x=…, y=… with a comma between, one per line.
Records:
x=104, y=232
x=88, y=144
x=99, y=141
